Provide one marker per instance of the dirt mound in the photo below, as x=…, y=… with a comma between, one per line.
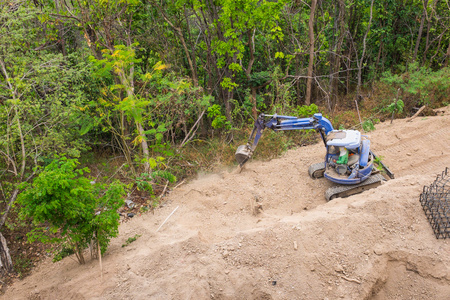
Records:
x=268, y=233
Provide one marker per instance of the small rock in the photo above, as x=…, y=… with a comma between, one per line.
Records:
x=130, y=215
x=295, y=245
x=227, y=271
x=378, y=251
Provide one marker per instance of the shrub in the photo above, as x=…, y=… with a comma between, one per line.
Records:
x=420, y=86
x=74, y=209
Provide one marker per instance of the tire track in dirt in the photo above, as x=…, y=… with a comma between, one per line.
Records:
x=426, y=159
x=437, y=164
x=438, y=137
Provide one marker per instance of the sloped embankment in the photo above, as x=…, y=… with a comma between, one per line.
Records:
x=268, y=233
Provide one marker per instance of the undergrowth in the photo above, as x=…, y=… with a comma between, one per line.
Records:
x=214, y=153
x=415, y=87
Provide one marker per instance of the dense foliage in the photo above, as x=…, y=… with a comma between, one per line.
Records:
x=75, y=209
x=141, y=79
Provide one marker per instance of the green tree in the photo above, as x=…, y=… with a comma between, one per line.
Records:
x=74, y=209
x=122, y=97
x=40, y=94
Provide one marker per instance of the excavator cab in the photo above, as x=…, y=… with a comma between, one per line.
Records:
x=348, y=156
x=342, y=149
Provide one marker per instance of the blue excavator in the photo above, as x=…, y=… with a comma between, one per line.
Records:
x=349, y=162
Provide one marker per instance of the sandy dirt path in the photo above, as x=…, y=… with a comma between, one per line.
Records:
x=268, y=233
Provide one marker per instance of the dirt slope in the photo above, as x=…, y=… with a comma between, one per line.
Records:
x=376, y=245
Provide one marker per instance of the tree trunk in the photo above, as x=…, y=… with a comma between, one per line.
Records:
x=380, y=49
x=297, y=82
x=209, y=15
x=448, y=56
x=419, y=36
x=227, y=96
x=5, y=259
x=360, y=62
x=335, y=59
x=140, y=128
x=144, y=146
x=11, y=201
x=254, y=109
x=311, y=52
x=179, y=32
x=6, y=265
x=332, y=53
x=248, y=70
x=194, y=63
x=127, y=80
x=79, y=254
x=427, y=44
x=61, y=38
x=121, y=139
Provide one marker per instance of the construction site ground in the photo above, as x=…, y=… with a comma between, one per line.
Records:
x=267, y=232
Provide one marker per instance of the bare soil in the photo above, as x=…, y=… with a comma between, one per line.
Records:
x=267, y=232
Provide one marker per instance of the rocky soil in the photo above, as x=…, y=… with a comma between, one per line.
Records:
x=267, y=232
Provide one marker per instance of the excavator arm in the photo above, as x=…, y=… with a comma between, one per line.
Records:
x=279, y=123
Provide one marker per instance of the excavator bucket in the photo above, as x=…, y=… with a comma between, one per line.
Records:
x=243, y=153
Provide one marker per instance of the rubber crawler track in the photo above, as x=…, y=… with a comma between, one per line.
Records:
x=348, y=190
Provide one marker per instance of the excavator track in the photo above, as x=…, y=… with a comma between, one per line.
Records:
x=341, y=191
x=316, y=170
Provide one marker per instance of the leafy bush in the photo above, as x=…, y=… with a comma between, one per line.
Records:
x=396, y=106
x=378, y=163
x=130, y=240
x=143, y=183
x=144, y=180
x=72, y=206
x=368, y=125
x=420, y=85
x=259, y=78
x=307, y=111
x=164, y=175
x=63, y=252
x=219, y=120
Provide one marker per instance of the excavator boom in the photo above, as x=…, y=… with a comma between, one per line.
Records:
x=279, y=123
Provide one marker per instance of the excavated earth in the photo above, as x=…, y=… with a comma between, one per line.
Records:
x=267, y=232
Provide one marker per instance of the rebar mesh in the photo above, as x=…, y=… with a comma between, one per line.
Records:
x=435, y=201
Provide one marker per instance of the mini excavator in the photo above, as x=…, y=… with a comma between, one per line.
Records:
x=349, y=162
